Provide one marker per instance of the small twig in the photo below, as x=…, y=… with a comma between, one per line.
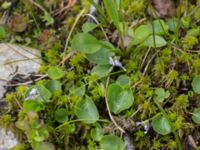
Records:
x=16, y=100
x=145, y=70
x=137, y=22
x=28, y=82
x=4, y=80
x=67, y=57
x=70, y=4
x=185, y=51
x=145, y=57
x=110, y=115
x=20, y=53
x=20, y=60
x=147, y=66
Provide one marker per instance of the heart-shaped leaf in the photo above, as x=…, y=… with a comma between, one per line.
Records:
x=96, y=133
x=54, y=87
x=172, y=24
x=55, y=73
x=44, y=93
x=141, y=33
x=196, y=116
x=196, y=85
x=119, y=99
x=61, y=115
x=111, y=142
x=39, y=135
x=123, y=80
x=100, y=57
x=161, y=95
x=87, y=111
x=85, y=43
x=159, y=27
x=159, y=41
x=161, y=125
x=101, y=70
x=80, y=89
x=32, y=106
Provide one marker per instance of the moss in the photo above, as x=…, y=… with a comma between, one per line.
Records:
x=171, y=67
x=189, y=41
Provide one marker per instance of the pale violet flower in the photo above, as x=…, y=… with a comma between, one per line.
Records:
x=33, y=94
x=116, y=63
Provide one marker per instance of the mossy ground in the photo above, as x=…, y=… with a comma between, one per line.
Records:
x=171, y=67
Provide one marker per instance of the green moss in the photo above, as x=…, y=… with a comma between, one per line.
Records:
x=171, y=67
x=189, y=41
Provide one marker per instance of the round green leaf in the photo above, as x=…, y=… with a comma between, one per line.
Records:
x=85, y=43
x=160, y=27
x=44, y=93
x=123, y=80
x=101, y=70
x=196, y=116
x=161, y=94
x=80, y=89
x=40, y=134
x=159, y=41
x=32, y=106
x=61, y=115
x=22, y=125
x=172, y=24
x=54, y=86
x=87, y=111
x=161, y=125
x=196, y=85
x=119, y=99
x=96, y=133
x=55, y=73
x=111, y=142
x=100, y=57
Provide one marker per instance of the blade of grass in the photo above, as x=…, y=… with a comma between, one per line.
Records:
x=111, y=8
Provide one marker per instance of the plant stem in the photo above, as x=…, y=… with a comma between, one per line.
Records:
x=72, y=29
x=173, y=130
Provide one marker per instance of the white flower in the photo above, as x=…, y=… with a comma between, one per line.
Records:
x=33, y=94
x=145, y=124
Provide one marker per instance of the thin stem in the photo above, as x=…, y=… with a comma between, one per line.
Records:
x=37, y=5
x=97, y=22
x=72, y=29
x=110, y=115
x=79, y=120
